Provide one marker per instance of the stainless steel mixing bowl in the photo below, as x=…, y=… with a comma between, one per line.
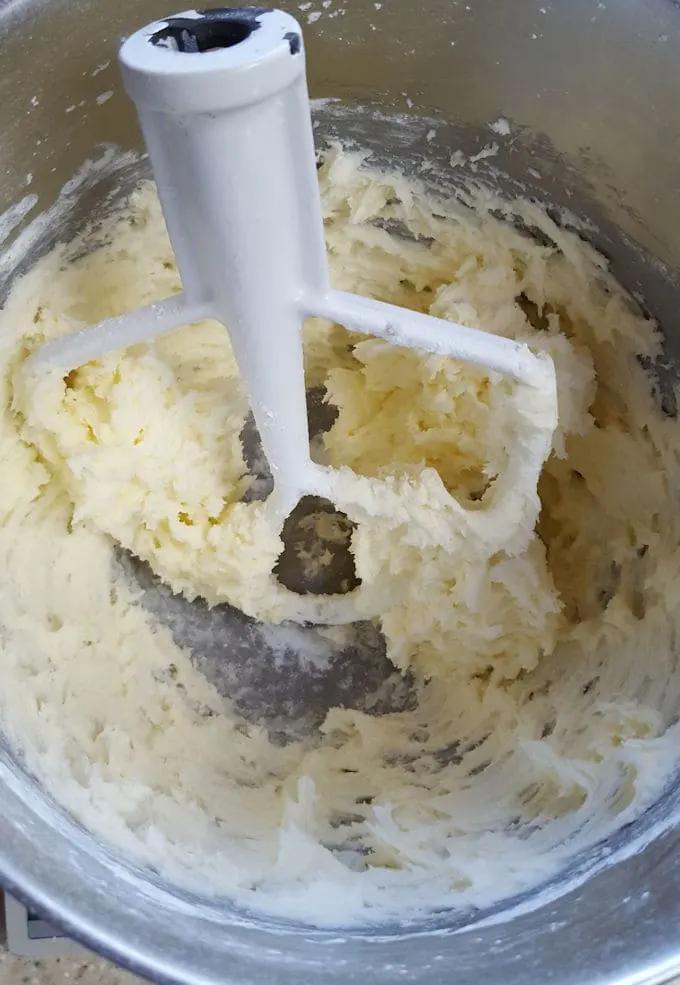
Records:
x=593, y=93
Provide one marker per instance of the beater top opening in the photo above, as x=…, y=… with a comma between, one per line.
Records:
x=221, y=27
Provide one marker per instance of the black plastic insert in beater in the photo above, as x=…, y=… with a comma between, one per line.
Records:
x=223, y=27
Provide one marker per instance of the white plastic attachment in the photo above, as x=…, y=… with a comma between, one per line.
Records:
x=222, y=100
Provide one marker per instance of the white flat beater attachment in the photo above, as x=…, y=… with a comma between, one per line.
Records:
x=222, y=100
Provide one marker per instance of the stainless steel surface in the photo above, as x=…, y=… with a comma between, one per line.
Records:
x=593, y=92
x=31, y=937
